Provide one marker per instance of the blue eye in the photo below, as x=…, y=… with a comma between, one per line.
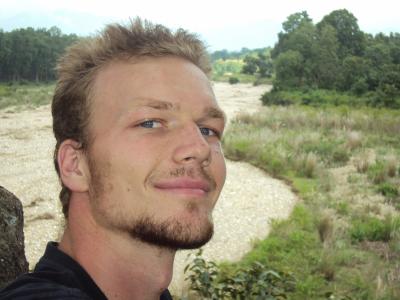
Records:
x=207, y=131
x=150, y=124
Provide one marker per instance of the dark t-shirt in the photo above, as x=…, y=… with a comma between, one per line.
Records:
x=57, y=276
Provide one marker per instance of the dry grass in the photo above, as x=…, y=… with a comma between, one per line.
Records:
x=354, y=140
x=362, y=162
x=325, y=228
x=392, y=165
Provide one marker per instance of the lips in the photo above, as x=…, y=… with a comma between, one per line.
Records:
x=184, y=186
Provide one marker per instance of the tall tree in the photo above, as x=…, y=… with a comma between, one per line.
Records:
x=31, y=54
x=325, y=63
x=350, y=37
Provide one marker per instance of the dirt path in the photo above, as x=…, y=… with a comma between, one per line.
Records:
x=249, y=201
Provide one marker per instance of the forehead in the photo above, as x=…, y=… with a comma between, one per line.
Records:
x=169, y=79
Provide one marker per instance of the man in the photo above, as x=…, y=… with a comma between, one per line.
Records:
x=139, y=157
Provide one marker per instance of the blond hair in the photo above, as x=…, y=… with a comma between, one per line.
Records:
x=78, y=67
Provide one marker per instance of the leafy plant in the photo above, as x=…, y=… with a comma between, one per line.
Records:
x=388, y=190
x=374, y=229
x=252, y=282
x=233, y=80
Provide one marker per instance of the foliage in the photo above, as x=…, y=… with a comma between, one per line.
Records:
x=255, y=281
x=233, y=80
x=374, y=229
x=228, y=66
x=247, y=65
x=260, y=63
x=325, y=97
x=335, y=55
x=388, y=190
x=31, y=54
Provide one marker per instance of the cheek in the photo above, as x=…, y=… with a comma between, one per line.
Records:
x=219, y=166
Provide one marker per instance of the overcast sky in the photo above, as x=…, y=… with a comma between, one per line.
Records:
x=220, y=23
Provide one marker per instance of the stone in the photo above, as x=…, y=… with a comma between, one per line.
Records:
x=12, y=251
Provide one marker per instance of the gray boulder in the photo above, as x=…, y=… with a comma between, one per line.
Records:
x=12, y=251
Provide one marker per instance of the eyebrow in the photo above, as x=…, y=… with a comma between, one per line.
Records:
x=156, y=104
x=214, y=113
x=208, y=113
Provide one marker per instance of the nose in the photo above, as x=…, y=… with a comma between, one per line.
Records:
x=191, y=146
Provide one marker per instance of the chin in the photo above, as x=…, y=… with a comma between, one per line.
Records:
x=173, y=233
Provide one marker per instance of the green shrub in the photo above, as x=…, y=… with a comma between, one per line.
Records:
x=276, y=98
x=377, y=172
x=237, y=147
x=388, y=190
x=256, y=281
x=233, y=80
x=306, y=165
x=359, y=87
x=272, y=161
x=343, y=208
x=5, y=91
x=340, y=156
x=374, y=229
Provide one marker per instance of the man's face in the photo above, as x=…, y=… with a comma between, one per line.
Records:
x=156, y=163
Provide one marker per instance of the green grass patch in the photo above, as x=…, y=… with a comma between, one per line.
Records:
x=304, y=186
x=388, y=190
x=28, y=95
x=374, y=229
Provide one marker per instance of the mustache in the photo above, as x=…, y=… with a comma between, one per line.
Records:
x=192, y=172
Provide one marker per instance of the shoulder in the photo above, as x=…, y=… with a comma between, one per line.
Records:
x=29, y=287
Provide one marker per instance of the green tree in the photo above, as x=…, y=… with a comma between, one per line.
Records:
x=295, y=20
x=264, y=64
x=299, y=33
x=250, y=65
x=354, y=70
x=350, y=37
x=325, y=64
x=31, y=54
x=289, y=70
x=259, y=63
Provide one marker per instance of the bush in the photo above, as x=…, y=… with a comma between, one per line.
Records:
x=377, y=172
x=276, y=98
x=388, y=190
x=374, y=229
x=359, y=87
x=233, y=80
x=272, y=161
x=256, y=281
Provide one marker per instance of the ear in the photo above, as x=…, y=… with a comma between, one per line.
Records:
x=72, y=165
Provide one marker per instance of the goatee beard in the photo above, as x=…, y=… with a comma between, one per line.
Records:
x=171, y=234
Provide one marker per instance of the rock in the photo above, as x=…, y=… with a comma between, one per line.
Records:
x=12, y=252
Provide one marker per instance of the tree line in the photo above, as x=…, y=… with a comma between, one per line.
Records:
x=31, y=54
x=335, y=54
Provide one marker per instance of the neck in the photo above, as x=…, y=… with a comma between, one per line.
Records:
x=122, y=267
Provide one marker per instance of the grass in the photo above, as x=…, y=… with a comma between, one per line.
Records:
x=343, y=240
x=25, y=96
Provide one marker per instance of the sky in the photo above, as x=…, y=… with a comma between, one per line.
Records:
x=221, y=24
